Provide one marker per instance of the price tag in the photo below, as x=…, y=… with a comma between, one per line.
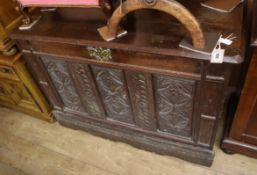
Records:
x=217, y=55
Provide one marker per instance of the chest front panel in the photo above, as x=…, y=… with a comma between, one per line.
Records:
x=144, y=100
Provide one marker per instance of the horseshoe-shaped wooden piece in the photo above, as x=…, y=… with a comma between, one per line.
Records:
x=172, y=7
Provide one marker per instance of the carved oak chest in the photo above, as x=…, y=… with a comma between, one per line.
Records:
x=140, y=89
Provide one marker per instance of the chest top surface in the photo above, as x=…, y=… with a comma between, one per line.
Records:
x=148, y=31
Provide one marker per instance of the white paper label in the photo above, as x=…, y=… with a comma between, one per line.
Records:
x=217, y=55
x=226, y=41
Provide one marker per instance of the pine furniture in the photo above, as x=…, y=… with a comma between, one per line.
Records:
x=18, y=90
x=9, y=19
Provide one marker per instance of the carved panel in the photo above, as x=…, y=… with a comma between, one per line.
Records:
x=113, y=91
x=83, y=79
x=62, y=81
x=141, y=93
x=174, y=101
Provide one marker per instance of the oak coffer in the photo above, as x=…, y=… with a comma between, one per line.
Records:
x=142, y=88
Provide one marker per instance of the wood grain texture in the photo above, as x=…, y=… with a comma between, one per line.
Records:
x=52, y=147
x=173, y=8
x=241, y=133
x=19, y=91
x=9, y=20
x=162, y=39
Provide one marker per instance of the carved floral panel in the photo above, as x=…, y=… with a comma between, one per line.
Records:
x=174, y=103
x=59, y=74
x=113, y=91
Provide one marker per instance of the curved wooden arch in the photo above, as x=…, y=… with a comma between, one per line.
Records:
x=112, y=30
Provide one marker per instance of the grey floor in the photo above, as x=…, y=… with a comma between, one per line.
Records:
x=29, y=146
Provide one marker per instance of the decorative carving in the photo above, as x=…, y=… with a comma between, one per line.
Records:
x=174, y=100
x=101, y=54
x=81, y=74
x=141, y=97
x=62, y=81
x=113, y=91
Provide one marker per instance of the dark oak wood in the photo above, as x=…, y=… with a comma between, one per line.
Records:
x=242, y=135
x=141, y=89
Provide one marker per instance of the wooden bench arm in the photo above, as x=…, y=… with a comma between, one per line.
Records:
x=171, y=7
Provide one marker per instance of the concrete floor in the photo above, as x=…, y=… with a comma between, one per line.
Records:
x=29, y=146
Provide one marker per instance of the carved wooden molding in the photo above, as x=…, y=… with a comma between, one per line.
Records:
x=172, y=7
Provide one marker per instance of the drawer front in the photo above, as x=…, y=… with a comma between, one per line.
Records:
x=8, y=73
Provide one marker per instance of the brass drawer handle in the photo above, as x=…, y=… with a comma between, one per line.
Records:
x=99, y=53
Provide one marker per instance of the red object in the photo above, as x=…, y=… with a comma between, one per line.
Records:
x=28, y=3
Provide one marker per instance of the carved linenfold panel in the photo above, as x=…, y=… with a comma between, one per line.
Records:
x=84, y=81
x=58, y=72
x=174, y=101
x=112, y=87
x=140, y=90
